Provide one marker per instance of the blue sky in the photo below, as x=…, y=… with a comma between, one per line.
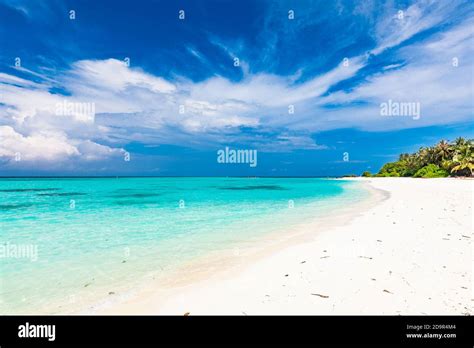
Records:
x=181, y=96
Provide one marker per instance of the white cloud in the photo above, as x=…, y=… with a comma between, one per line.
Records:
x=10, y=79
x=46, y=146
x=444, y=91
x=403, y=23
x=114, y=75
x=50, y=146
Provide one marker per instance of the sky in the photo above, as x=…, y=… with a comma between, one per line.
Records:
x=159, y=87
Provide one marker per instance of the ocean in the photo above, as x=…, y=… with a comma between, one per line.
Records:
x=65, y=242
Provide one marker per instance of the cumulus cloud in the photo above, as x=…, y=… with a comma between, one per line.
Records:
x=47, y=146
x=50, y=146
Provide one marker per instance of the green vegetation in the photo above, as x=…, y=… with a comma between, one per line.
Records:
x=441, y=160
x=366, y=174
x=431, y=171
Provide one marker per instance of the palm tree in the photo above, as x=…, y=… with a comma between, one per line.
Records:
x=421, y=156
x=425, y=155
x=460, y=141
x=442, y=151
x=447, y=165
x=403, y=156
x=412, y=164
x=463, y=160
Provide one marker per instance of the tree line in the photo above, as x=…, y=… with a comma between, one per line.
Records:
x=441, y=160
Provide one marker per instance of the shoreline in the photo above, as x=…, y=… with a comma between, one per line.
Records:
x=409, y=254
x=220, y=266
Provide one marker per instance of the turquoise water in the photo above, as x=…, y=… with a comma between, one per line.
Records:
x=84, y=237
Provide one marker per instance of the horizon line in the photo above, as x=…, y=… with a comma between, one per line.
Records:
x=157, y=176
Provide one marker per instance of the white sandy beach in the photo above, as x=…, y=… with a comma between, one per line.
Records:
x=408, y=253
